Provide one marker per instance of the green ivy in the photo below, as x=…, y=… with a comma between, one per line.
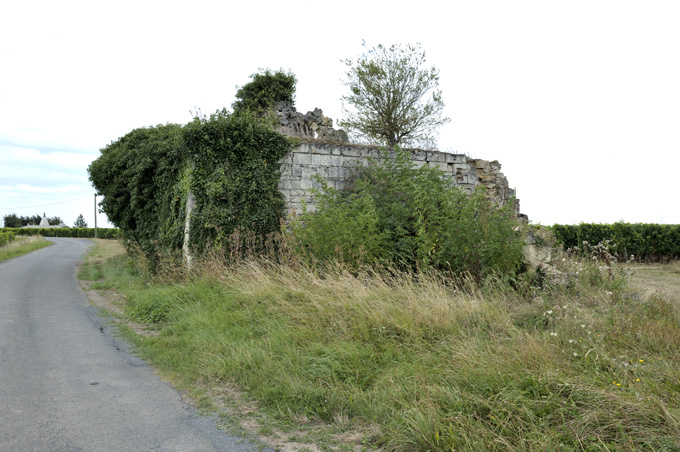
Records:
x=228, y=161
x=264, y=90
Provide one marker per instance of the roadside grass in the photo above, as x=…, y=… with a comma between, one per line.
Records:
x=22, y=245
x=100, y=265
x=407, y=362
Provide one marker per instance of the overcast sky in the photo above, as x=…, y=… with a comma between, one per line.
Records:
x=579, y=101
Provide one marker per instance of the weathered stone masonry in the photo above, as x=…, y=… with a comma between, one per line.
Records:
x=333, y=162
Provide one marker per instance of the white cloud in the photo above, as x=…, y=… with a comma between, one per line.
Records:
x=578, y=100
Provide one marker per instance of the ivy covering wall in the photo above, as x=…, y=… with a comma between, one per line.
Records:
x=229, y=163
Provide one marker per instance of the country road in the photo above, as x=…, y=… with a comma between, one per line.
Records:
x=67, y=384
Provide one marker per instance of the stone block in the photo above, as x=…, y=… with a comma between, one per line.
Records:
x=351, y=152
x=335, y=160
x=433, y=156
x=419, y=156
x=321, y=150
x=321, y=160
x=456, y=158
x=302, y=159
x=297, y=171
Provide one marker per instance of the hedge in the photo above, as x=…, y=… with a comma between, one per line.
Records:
x=644, y=241
x=102, y=233
x=6, y=237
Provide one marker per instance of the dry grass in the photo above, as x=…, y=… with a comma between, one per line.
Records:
x=427, y=362
x=22, y=245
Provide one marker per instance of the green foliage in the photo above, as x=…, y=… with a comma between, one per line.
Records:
x=643, y=241
x=394, y=98
x=12, y=221
x=80, y=222
x=392, y=212
x=235, y=176
x=425, y=363
x=6, y=237
x=138, y=175
x=229, y=162
x=102, y=233
x=264, y=90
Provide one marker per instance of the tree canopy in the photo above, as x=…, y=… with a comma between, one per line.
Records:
x=80, y=222
x=394, y=99
x=265, y=89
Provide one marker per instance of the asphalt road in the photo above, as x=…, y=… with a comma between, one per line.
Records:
x=67, y=384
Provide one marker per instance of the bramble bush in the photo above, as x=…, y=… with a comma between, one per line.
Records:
x=413, y=218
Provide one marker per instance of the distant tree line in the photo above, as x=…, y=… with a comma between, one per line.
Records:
x=14, y=221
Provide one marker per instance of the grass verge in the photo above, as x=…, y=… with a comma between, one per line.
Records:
x=22, y=245
x=329, y=360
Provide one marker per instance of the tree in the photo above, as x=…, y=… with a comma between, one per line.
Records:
x=12, y=221
x=80, y=222
x=264, y=91
x=395, y=100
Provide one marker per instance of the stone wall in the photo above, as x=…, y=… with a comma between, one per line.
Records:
x=334, y=161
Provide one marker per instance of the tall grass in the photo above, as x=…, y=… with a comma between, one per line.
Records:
x=22, y=245
x=426, y=361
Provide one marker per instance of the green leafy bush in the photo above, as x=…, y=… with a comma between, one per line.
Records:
x=264, y=91
x=102, y=233
x=393, y=212
x=229, y=162
x=643, y=241
x=6, y=237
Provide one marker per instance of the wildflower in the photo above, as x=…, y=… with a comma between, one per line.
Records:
x=548, y=312
x=641, y=360
x=564, y=259
x=583, y=325
x=553, y=334
x=637, y=379
x=571, y=341
x=575, y=354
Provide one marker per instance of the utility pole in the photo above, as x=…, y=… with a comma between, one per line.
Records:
x=95, y=215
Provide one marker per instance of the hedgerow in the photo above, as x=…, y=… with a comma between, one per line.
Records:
x=6, y=237
x=102, y=233
x=644, y=241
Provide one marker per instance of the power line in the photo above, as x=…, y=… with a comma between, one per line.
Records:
x=43, y=205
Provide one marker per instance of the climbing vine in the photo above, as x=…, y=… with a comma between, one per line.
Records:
x=228, y=161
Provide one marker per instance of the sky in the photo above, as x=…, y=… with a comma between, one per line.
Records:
x=579, y=101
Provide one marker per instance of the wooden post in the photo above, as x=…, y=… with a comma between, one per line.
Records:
x=95, y=215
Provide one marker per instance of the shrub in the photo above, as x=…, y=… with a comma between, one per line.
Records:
x=643, y=241
x=228, y=162
x=102, y=233
x=6, y=237
x=392, y=212
x=264, y=90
